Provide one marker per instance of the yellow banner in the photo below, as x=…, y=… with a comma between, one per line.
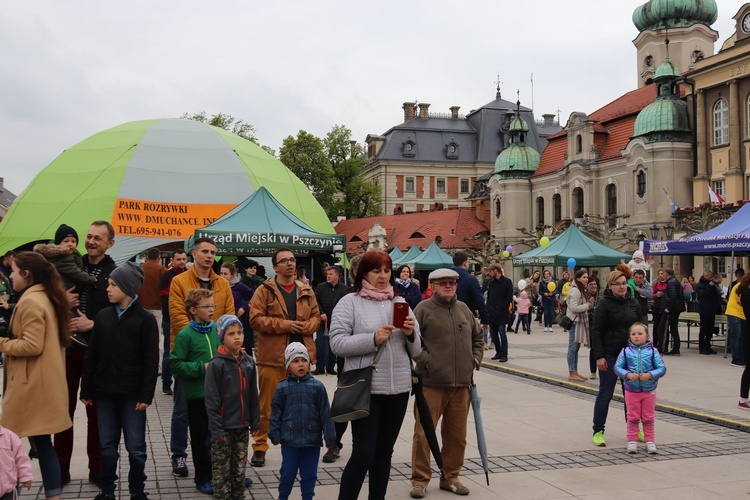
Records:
x=157, y=219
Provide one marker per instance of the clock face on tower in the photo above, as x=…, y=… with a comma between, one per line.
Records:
x=746, y=23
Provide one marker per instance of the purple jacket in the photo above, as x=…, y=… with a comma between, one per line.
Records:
x=242, y=295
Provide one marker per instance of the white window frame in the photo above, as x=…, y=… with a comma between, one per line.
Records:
x=406, y=185
x=719, y=187
x=721, y=123
x=438, y=181
x=461, y=186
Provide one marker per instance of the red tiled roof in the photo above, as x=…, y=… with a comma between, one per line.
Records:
x=615, y=119
x=400, y=228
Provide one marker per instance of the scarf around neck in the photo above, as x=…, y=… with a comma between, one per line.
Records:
x=201, y=327
x=404, y=283
x=370, y=292
x=234, y=280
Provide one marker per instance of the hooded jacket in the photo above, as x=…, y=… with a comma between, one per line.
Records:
x=270, y=320
x=15, y=466
x=231, y=393
x=613, y=316
x=451, y=340
x=640, y=359
x=69, y=264
x=300, y=414
x=123, y=354
x=191, y=351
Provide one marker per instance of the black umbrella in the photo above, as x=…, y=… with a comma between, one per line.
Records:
x=425, y=418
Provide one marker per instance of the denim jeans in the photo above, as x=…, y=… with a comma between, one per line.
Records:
x=525, y=320
x=734, y=324
x=48, y=465
x=117, y=414
x=326, y=357
x=306, y=461
x=548, y=307
x=573, y=348
x=497, y=332
x=179, y=435
x=607, y=384
x=166, y=372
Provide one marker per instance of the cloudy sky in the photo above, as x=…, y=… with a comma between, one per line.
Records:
x=71, y=69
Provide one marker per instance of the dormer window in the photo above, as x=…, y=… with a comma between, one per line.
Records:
x=451, y=150
x=416, y=234
x=579, y=144
x=409, y=148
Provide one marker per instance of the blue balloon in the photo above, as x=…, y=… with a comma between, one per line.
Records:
x=571, y=263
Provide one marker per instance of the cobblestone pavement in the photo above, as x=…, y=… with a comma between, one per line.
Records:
x=536, y=423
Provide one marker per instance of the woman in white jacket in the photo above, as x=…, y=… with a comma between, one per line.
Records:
x=361, y=323
x=578, y=308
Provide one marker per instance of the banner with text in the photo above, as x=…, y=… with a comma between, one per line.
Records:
x=156, y=219
x=246, y=242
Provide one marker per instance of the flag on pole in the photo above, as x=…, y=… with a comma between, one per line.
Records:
x=715, y=198
x=672, y=205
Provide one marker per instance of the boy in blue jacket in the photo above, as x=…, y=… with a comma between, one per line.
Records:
x=639, y=365
x=299, y=414
x=231, y=394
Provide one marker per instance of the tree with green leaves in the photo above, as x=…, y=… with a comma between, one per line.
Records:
x=230, y=123
x=305, y=156
x=355, y=197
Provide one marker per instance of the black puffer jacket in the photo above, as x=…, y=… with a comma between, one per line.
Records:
x=612, y=319
x=675, y=301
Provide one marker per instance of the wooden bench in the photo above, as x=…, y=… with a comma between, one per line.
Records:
x=694, y=319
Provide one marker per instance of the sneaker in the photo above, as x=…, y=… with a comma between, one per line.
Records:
x=503, y=359
x=737, y=363
x=418, y=491
x=166, y=389
x=641, y=436
x=486, y=347
x=599, y=439
x=593, y=376
x=79, y=339
x=332, y=455
x=206, y=488
x=457, y=488
x=259, y=459
x=179, y=467
x=632, y=447
x=248, y=482
x=651, y=448
x=743, y=405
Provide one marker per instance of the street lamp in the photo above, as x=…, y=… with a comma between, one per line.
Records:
x=668, y=231
x=654, y=231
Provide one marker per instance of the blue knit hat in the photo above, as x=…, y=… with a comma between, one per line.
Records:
x=225, y=321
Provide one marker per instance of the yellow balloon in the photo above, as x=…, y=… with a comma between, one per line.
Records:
x=506, y=254
x=551, y=287
x=544, y=242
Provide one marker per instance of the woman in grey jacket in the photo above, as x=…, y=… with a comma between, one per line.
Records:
x=362, y=323
x=578, y=308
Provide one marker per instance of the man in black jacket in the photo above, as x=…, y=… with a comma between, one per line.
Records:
x=469, y=292
x=99, y=238
x=671, y=309
x=709, y=305
x=499, y=300
x=328, y=295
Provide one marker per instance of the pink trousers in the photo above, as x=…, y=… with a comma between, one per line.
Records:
x=641, y=409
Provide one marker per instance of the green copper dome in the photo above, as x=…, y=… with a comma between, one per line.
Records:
x=518, y=125
x=519, y=160
x=665, y=119
x=660, y=14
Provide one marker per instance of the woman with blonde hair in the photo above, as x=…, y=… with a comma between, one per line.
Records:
x=35, y=396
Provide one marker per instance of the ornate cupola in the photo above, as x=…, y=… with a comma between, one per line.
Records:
x=666, y=119
x=518, y=159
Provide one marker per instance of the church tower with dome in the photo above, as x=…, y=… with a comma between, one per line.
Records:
x=688, y=23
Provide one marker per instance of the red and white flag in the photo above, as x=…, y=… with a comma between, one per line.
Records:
x=715, y=198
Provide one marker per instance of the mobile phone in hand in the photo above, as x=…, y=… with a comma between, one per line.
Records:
x=400, y=312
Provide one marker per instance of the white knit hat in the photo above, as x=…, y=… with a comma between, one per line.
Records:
x=295, y=350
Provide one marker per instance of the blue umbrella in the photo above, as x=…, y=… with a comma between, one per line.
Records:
x=481, y=442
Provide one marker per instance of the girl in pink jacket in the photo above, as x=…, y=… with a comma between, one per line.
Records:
x=524, y=305
x=15, y=466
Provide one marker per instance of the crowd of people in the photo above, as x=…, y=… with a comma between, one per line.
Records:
x=236, y=351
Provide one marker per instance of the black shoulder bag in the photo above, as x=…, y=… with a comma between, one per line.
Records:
x=351, y=401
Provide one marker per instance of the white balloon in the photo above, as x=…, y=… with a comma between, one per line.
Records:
x=521, y=285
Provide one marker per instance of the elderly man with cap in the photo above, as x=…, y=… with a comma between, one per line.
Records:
x=453, y=347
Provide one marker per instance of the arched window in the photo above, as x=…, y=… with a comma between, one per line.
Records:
x=579, y=144
x=721, y=122
x=640, y=183
x=557, y=203
x=578, y=202
x=498, y=208
x=612, y=204
x=540, y=210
